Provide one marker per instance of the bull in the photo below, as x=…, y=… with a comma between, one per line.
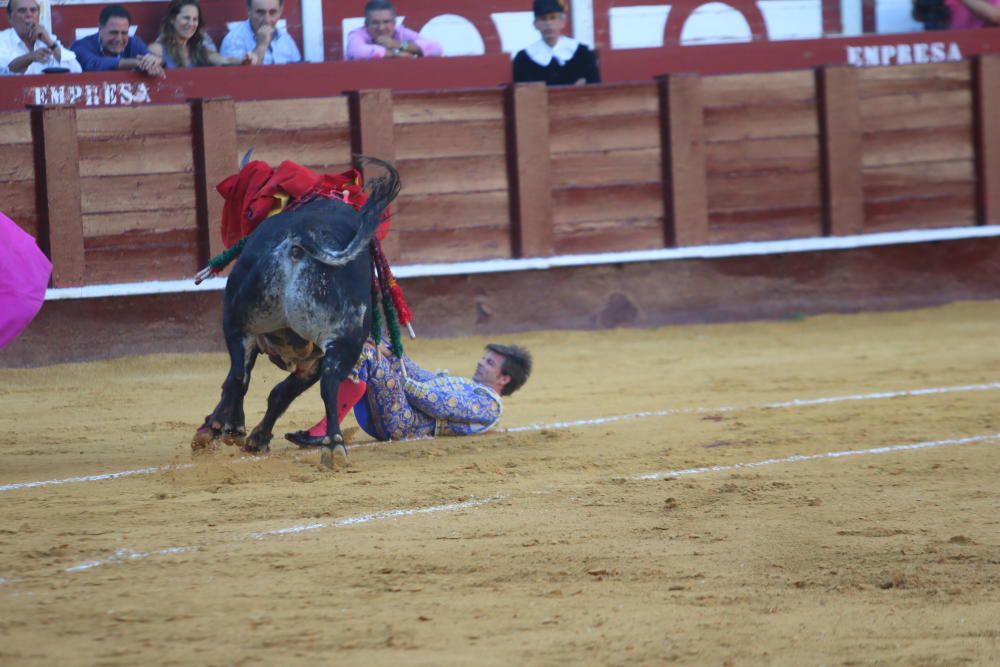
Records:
x=300, y=293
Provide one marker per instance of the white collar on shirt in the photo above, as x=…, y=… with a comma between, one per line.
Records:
x=543, y=54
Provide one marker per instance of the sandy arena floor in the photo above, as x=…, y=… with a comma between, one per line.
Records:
x=541, y=545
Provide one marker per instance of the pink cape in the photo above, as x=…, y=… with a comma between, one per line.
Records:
x=24, y=275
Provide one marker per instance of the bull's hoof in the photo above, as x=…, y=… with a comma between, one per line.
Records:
x=334, y=457
x=304, y=440
x=258, y=443
x=204, y=438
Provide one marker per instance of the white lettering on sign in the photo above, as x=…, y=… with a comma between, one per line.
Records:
x=887, y=55
x=92, y=95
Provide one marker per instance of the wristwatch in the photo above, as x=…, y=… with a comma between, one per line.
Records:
x=395, y=52
x=404, y=46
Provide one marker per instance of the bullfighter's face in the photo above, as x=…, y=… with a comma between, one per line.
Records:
x=381, y=23
x=489, y=371
x=114, y=35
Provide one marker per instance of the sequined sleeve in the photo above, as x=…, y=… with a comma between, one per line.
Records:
x=454, y=399
x=416, y=372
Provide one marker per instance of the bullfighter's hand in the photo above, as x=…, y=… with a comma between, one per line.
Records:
x=251, y=58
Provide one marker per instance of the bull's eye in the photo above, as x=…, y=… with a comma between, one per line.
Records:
x=297, y=252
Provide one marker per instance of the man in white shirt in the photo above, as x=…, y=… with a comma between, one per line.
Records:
x=260, y=35
x=27, y=47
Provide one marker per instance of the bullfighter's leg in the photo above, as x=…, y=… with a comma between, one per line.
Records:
x=226, y=424
x=277, y=402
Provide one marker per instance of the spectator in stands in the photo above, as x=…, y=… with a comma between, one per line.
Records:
x=111, y=48
x=555, y=58
x=260, y=35
x=182, y=43
x=380, y=38
x=974, y=13
x=26, y=47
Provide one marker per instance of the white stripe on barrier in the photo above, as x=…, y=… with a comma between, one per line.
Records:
x=815, y=457
x=719, y=251
x=570, y=424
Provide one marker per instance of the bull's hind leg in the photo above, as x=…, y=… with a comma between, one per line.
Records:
x=227, y=423
x=277, y=402
x=338, y=361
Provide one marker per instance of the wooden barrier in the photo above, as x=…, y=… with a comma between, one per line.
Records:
x=528, y=171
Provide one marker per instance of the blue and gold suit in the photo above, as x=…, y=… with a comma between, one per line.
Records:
x=405, y=401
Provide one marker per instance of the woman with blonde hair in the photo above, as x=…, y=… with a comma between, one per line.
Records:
x=182, y=42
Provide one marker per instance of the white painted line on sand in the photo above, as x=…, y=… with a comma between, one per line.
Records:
x=570, y=424
x=93, y=478
x=795, y=403
x=716, y=251
x=129, y=555
x=798, y=458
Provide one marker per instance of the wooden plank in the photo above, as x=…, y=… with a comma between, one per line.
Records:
x=915, y=180
x=614, y=202
x=141, y=192
x=684, y=191
x=987, y=139
x=741, y=226
x=597, y=170
x=20, y=204
x=447, y=106
x=595, y=134
x=447, y=175
x=450, y=139
x=530, y=170
x=569, y=102
x=57, y=166
x=609, y=236
x=918, y=110
x=759, y=122
x=142, y=255
x=372, y=133
x=114, y=224
x=911, y=146
x=292, y=115
x=764, y=190
x=767, y=89
x=913, y=79
x=774, y=154
x=121, y=122
x=921, y=212
x=136, y=154
x=15, y=128
x=454, y=245
x=331, y=146
x=840, y=141
x=213, y=144
x=17, y=165
x=441, y=212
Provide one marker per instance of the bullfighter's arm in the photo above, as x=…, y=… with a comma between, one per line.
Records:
x=451, y=398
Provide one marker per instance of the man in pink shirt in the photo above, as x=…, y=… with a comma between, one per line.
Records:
x=380, y=38
x=973, y=13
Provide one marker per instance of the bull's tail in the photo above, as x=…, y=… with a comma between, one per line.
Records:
x=381, y=192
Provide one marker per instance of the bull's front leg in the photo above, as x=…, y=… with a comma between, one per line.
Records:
x=227, y=423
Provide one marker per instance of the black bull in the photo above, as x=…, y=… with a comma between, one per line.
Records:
x=300, y=293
